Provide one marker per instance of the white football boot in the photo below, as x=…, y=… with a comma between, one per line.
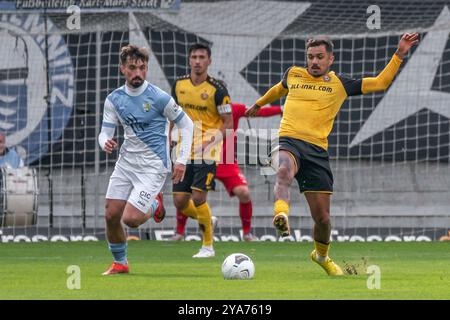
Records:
x=205, y=252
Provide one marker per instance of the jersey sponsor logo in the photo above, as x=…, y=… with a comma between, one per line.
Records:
x=311, y=87
x=134, y=123
x=25, y=104
x=194, y=107
x=145, y=195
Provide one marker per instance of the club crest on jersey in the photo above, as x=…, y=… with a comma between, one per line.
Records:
x=146, y=107
x=326, y=78
x=204, y=96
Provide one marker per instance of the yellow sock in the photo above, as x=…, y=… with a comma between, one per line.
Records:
x=204, y=220
x=321, y=248
x=281, y=206
x=190, y=210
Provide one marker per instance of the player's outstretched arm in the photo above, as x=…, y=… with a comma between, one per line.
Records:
x=385, y=78
x=274, y=93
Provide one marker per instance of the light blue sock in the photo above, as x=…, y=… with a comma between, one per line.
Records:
x=153, y=207
x=119, y=252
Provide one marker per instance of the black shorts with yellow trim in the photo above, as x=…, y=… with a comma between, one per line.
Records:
x=314, y=171
x=197, y=177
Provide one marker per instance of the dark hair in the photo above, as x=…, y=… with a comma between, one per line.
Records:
x=315, y=42
x=134, y=53
x=200, y=46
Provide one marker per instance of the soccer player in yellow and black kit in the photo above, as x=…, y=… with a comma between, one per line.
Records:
x=207, y=102
x=314, y=96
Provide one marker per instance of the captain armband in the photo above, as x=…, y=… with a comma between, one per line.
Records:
x=226, y=108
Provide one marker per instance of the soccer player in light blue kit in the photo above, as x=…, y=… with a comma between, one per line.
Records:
x=134, y=190
x=9, y=158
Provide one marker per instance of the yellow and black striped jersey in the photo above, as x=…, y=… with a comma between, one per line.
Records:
x=204, y=104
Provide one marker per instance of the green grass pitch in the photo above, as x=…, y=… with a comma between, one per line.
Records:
x=166, y=270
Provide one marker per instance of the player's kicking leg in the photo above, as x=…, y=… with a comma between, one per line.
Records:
x=286, y=170
x=319, y=204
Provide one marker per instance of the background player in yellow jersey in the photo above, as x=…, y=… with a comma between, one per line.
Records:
x=314, y=96
x=207, y=102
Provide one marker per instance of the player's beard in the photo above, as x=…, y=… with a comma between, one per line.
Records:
x=136, y=82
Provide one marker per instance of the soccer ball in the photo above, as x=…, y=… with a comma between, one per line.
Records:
x=238, y=266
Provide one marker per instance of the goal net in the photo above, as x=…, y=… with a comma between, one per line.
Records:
x=389, y=151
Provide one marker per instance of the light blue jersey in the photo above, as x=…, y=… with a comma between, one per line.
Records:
x=144, y=113
x=11, y=159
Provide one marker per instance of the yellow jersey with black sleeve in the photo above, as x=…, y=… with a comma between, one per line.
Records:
x=204, y=104
x=312, y=103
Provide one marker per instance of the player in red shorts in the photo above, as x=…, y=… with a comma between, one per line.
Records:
x=232, y=178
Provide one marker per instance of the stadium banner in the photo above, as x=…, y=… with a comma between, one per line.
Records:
x=383, y=234
x=59, y=6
